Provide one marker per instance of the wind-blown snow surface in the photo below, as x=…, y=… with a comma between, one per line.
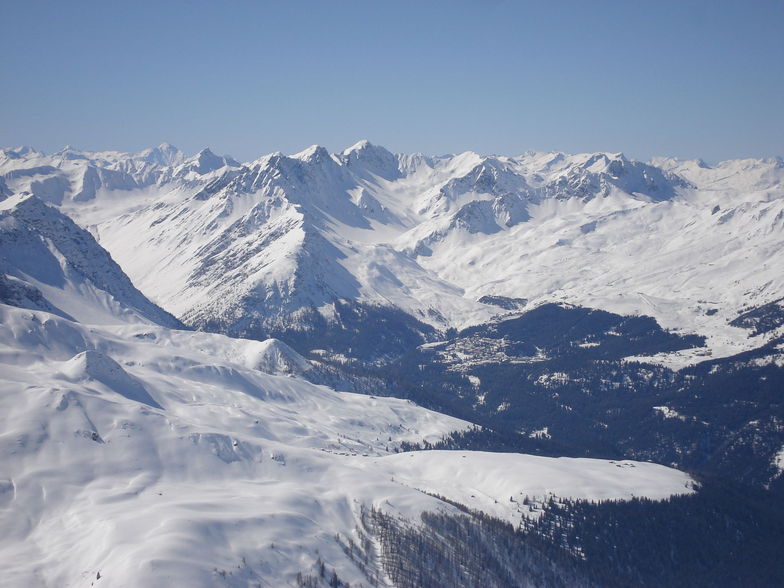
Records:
x=249, y=246
x=153, y=457
x=157, y=457
x=498, y=483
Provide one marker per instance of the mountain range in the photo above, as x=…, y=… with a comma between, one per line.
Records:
x=218, y=372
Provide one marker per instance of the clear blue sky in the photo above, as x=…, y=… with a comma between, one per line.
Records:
x=683, y=78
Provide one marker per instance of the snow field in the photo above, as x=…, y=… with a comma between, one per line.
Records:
x=151, y=456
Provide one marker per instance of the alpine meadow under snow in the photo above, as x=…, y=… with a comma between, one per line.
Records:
x=200, y=358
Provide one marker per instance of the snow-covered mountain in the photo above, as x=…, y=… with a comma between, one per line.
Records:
x=136, y=454
x=271, y=246
x=49, y=263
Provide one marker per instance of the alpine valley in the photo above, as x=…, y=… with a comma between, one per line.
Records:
x=369, y=369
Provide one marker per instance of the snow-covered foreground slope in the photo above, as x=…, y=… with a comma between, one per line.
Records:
x=150, y=455
x=160, y=457
x=258, y=248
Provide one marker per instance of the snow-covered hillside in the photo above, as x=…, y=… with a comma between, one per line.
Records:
x=149, y=454
x=137, y=454
x=258, y=247
x=49, y=263
x=155, y=456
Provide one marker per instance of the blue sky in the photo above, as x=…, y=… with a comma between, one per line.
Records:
x=682, y=78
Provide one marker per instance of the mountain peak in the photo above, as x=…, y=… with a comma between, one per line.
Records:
x=358, y=146
x=94, y=365
x=69, y=152
x=273, y=356
x=205, y=161
x=364, y=156
x=164, y=154
x=20, y=151
x=314, y=153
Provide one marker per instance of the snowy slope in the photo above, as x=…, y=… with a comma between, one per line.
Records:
x=151, y=459
x=155, y=456
x=49, y=263
x=256, y=247
x=498, y=483
x=141, y=455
